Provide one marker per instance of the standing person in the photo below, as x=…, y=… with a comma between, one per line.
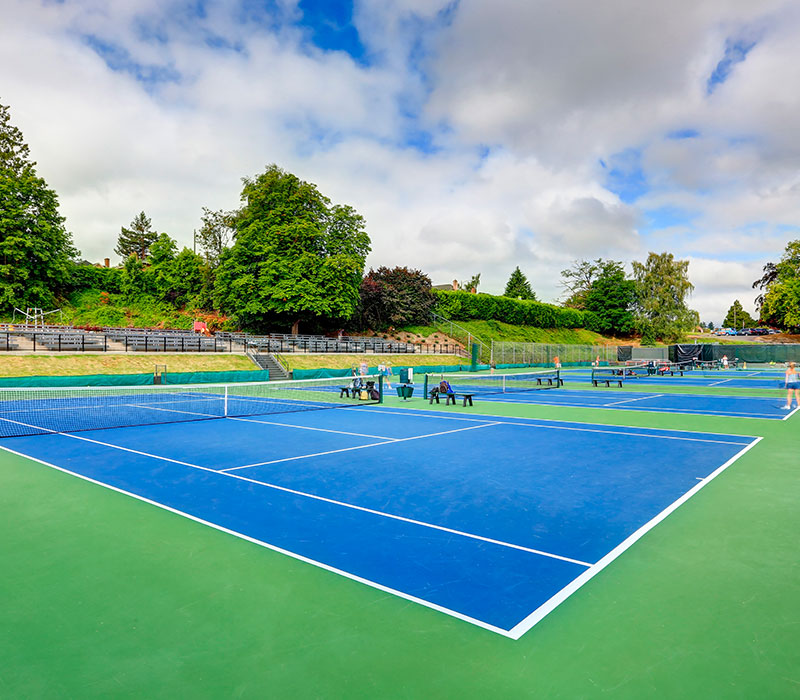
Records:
x=557, y=362
x=724, y=362
x=792, y=384
x=387, y=372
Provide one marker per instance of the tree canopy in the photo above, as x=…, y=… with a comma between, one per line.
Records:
x=737, y=317
x=216, y=233
x=295, y=256
x=35, y=248
x=662, y=286
x=576, y=281
x=518, y=286
x=395, y=297
x=610, y=298
x=137, y=239
x=781, y=298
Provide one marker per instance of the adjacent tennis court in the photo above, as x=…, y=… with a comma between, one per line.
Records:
x=554, y=388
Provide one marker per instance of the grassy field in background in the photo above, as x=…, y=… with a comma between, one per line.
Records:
x=343, y=361
x=90, y=363
x=497, y=330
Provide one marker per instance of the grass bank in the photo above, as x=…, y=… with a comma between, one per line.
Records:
x=342, y=361
x=71, y=365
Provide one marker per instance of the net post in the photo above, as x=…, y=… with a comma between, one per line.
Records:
x=380, y=388
x=425, y=386
x=225, y=413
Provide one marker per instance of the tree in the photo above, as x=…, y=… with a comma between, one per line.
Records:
x=35, y=248
x=662, y=285
x=781, y=305
x=137, y=239
x=216, y=233
x=577, y=281
x=611, y=298
x=737, y=317
x=395, y=297
x=472, y=283
x=763, y=283
x=518, y=286
x=295, y=256
x=134, y=283
x=711, y=325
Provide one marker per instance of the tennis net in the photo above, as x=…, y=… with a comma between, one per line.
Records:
x=32, y=411
x=498, y=383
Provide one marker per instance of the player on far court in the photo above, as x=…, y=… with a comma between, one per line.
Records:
x=792, y=384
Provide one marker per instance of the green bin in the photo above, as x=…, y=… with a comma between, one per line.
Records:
x=405, y=392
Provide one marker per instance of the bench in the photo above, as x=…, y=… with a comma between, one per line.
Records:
x=450, y=397
x=352, y=392
x=618, y=379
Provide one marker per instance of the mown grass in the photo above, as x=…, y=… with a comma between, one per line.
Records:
x=487, y=331
x=72, y=365
x=343, y=361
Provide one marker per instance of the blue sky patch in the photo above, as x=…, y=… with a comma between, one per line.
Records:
x=118, y=59
x=625, y=176
x=330, y=27
x=735, y=52
x=681, y=134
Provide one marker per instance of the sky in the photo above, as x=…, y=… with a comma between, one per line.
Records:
x=473, y=136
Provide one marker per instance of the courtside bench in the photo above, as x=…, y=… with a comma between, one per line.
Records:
x=450, y=397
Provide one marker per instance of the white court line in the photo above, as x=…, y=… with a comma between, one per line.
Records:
x=359, y=447
x=169, y=410
x=306, y=427
x=791, y=413
x=641, y=398
x=751, y=415
x=503, y=420
x=521, y=628
x=274, y=548
x=722, y=381
x=333, y=501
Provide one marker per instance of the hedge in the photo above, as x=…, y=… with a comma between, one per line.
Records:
x=464, y=306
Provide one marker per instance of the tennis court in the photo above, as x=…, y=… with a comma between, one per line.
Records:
x=553, y=388
x=756, y=379
x=436, y=509
x=716, y=405
x=477, y=521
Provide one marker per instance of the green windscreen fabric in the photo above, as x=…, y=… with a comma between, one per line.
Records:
x=762, y=353
x=80, y=380
x=227, y=377
x=324, y=373
x=138, y=379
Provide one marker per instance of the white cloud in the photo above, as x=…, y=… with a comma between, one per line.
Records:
x=521, y=101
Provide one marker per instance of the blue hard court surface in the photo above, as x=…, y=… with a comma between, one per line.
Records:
x=618, y=399
x=491, y=520
x=763, y=379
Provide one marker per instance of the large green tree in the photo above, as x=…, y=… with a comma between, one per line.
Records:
x=518, y=286
x=137, y=239
x=662, y=287
x=577, y=280
x=216, y=233
x=35, y=248
x=295, y=256
x=610, y=298
x=737, y=317
x=781, y=298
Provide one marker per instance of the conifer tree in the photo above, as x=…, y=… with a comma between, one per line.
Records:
x=137, y=239
x=518, y=286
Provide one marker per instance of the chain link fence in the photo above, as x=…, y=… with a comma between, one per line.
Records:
x=504, y=352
